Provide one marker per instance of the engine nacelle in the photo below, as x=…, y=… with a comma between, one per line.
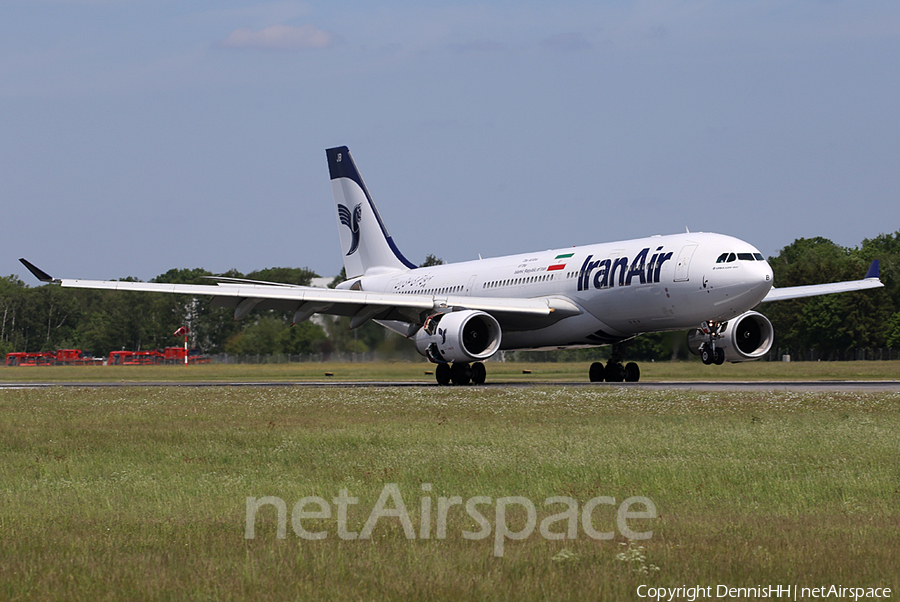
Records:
x=459, y=336
x=746, y=337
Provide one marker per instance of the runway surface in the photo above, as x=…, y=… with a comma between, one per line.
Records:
x=824, y=385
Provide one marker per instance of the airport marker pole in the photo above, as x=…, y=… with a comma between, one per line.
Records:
x=184, y=330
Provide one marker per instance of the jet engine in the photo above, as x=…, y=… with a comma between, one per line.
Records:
x=459, y=336
x=744, y=338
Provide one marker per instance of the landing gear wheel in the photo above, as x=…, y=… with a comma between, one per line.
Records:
x=442, y=374
x=720, y=356
x=615, y=372
x=632, y=372
x=460, y=373
x=597, y=372
x=479, y=374
x=707, y=356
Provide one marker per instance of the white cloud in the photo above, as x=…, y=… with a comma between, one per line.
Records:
x=279, y=37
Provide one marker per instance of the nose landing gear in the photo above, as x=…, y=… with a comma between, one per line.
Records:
x=709, y=352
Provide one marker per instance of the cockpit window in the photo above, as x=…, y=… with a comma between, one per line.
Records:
x=729, y=257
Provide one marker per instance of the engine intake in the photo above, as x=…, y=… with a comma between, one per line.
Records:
x=459, y=336
x=746, y=337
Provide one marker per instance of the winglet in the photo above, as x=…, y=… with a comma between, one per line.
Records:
x=38, y=272
x=873, y=270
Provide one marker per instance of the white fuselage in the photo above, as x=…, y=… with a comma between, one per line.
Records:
x=622, y=288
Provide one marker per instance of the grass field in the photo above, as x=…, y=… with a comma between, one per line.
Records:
x=141, y=493
x=416, y=372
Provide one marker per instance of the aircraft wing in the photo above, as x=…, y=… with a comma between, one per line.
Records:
x=796, y=292
x=360, y=306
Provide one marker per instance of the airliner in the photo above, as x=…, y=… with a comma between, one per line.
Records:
x=462, y=314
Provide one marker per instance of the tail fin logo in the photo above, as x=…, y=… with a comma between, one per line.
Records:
x=352, y=222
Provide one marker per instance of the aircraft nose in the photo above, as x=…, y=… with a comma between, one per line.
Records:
x=765, y=275
x=767, y=270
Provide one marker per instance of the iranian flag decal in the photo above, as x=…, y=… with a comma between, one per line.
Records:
x=560, y=262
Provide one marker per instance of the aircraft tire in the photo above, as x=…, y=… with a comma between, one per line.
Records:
x=597, y=372
x=632, y=372
x=460, y=373
x=720, y=356
x=615, y=373
x=706, y=356
x=479, y=374
x=442, y=374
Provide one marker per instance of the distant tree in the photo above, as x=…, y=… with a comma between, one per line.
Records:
x=270, y=334
x=886, y=249
x=893, y=332
x=119, y=319
x=259, y=337
x=431, y=260
x=305, y=337
x=830, y=325
x=12, y=292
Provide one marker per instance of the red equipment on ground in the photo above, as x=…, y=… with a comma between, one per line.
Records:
x=170, y=355
x=135, y=358
x=62, y=357
x=175, y=355
x=75, y=357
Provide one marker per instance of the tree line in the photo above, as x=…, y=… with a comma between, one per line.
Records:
x=834, y=326
x=48, y=317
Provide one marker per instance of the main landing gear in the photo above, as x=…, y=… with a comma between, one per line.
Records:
x=614, y=371
x=460, y=373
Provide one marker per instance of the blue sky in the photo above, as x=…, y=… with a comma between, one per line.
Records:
x=139, y=136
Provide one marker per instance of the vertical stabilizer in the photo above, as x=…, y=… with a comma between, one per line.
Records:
x=367, y=246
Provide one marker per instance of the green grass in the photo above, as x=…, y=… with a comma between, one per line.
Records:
x=140, y=493
x=416, y=372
